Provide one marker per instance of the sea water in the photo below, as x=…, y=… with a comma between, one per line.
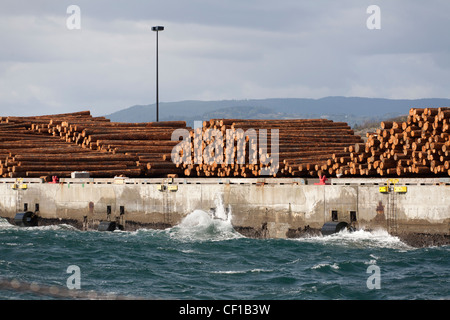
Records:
x=204, y=258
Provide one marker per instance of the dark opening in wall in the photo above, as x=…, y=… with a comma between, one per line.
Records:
x=334, y=215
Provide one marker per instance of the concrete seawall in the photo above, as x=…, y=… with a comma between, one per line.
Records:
x=275, y=208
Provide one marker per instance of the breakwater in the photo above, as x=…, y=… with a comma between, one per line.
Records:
x=417, y=210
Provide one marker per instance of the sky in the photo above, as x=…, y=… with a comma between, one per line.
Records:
x=54, y=60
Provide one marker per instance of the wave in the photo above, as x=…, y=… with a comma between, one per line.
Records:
x=361, y=239
x=200, y=225
x=5, y=225
x=241, y=271
x=54, y=227
x=325, y=265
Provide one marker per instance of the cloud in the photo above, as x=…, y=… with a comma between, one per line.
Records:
x=217, y=50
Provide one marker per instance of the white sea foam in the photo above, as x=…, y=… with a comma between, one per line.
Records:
x=200, y=225
x=257, y=270
x=4, y=225
x=54, y=227
x=361, y=238
x=229, y=272
x=323, y=265
x=374, y=256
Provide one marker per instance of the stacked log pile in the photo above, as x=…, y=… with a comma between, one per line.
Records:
x=149, y=143
x=304, y=145
x=419, y=146
x=28, y=150
x=57, y=145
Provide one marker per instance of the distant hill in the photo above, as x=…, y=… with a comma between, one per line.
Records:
x=353, y=110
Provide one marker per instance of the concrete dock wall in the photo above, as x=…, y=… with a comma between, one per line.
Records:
x=276, y=208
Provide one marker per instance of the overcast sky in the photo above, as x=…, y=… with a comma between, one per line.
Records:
x=214, y=50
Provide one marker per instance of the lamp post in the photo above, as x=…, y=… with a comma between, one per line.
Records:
x=157, y=29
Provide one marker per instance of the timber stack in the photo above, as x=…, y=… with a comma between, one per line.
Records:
x=238, y=148
x=416, y=147
x=57, y=145
x=149, y=143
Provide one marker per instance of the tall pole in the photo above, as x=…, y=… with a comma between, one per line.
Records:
x=157, y=29
x=157, y=80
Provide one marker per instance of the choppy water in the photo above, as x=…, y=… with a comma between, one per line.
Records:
x=204, y=258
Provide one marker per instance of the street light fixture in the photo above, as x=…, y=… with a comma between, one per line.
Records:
x=157, y=29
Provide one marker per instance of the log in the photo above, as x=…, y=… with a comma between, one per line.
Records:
x=93, y=174
x=75, y=158
x=80, y=167
x=130, y=136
